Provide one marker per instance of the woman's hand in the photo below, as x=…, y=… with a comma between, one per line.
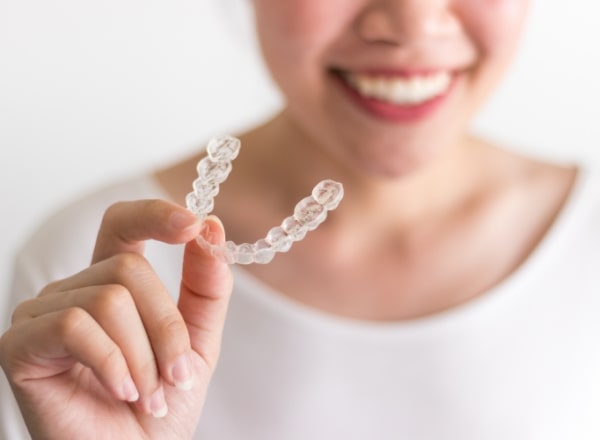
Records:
x=106, y=352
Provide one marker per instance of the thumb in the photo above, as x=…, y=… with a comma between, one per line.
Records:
x=206, y=286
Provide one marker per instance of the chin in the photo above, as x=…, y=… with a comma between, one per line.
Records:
x=392, y=169
x=396, y=161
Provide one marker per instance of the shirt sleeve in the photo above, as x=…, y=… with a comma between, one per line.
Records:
x=60, y=247
x=22, y=287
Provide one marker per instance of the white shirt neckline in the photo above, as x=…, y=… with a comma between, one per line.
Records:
x=501, y=295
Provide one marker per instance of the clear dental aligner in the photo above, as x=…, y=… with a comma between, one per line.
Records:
x=309, y=212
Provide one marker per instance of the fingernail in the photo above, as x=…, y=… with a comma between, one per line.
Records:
x=210, y=229
x=158, y=405
x=182, y=220
x=182, y=373
x=130, y=392
x=207, y=234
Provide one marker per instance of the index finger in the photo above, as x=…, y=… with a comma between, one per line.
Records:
x=127, y=225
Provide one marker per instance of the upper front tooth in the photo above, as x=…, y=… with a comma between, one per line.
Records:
x=400, y=90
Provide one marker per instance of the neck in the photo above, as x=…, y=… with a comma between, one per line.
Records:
x=293, y=162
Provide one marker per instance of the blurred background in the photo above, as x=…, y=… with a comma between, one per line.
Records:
x=94, y=91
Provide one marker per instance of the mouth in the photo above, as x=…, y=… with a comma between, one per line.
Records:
x=400, y=90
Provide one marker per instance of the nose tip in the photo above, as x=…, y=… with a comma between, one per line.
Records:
x=400, y=21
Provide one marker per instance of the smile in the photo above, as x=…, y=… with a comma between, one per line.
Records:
x=399, y=90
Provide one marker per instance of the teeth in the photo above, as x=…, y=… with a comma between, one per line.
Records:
x=413, y=90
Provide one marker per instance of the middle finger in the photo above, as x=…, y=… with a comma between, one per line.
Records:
x=161, y=320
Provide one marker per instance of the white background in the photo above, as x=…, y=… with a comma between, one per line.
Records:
x=92, y=91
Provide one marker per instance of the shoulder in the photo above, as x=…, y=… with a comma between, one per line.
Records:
x=63, y=242
x=576, y=201
x=573, y=241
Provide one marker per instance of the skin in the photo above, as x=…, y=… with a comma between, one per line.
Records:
x=109, y=341
x=422, y=198
x=432, y=217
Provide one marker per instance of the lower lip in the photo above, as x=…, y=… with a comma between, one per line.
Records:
x=394, y=112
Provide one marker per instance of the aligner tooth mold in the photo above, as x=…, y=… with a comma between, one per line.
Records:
x=308, y=214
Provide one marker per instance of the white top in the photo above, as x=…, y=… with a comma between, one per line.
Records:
x=521, y=361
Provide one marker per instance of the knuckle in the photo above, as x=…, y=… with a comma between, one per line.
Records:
x=154, y=205
x=157, y=212
x=129, y=265
x=111, y=212
x=22, y=310
x=71, y=321
x=112, y=299
x=171, y=327
x=51, y=287
x=4, y=348
x=112, y=360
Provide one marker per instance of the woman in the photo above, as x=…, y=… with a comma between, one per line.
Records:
x=435, y=302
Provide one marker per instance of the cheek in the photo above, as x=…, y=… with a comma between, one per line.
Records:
x=295, y=36
x=291, y=21
x=300, y=28
x=494, y=25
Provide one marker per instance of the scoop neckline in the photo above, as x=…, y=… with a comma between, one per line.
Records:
x=499, y=296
